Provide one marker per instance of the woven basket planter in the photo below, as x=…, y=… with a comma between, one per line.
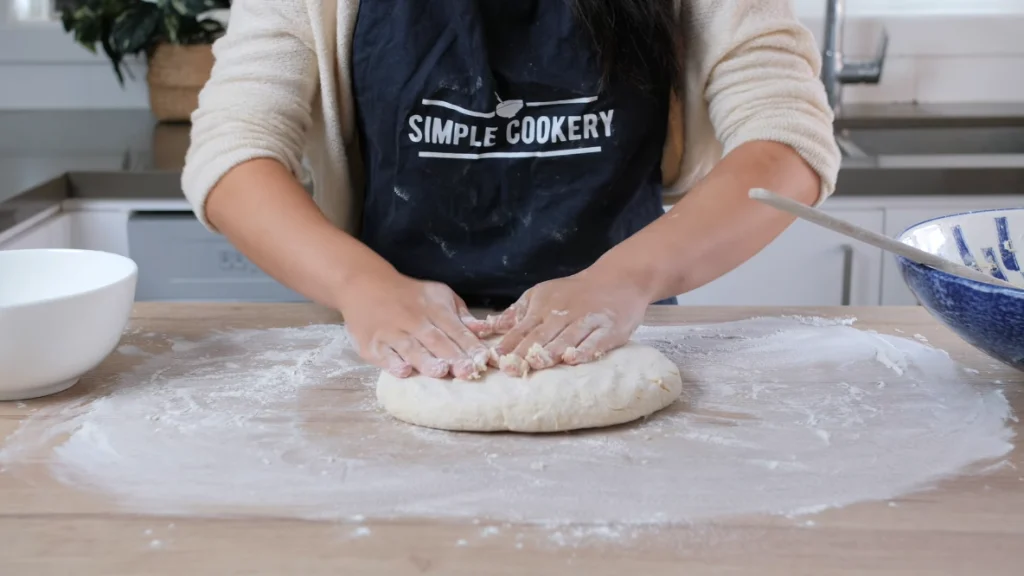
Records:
x=175, y=76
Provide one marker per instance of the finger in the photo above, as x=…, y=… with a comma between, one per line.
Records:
x=532, y=347
x=597, y=344
x=441, y=345
x=510, y=341
x=390, y=360
x=384, y=357
x=573, y=335
x=474, y=354
x=509, y=361
x=503, y=323
x=413, y=352
x=479, y=328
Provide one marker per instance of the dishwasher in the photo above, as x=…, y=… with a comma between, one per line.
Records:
x=180, y=260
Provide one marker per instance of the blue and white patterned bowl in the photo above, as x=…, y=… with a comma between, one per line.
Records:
x=990, y=318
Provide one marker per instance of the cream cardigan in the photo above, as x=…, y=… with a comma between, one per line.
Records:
x=281, y=89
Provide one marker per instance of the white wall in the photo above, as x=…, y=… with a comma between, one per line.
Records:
x=940, y=51
x=42, y=68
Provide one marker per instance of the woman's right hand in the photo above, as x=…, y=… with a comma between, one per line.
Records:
x=404, y=325
x=399, y=324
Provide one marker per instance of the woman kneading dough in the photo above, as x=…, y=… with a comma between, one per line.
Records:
x=510, y=155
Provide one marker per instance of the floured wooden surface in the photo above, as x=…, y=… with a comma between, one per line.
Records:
x=282, y=424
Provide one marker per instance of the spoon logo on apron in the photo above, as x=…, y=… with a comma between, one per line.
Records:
x=510, y=131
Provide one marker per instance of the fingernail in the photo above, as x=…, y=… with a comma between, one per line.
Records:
x=465, y=370
x=439, y=369
x=400, y=370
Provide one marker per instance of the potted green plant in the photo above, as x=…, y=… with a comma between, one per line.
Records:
x=174, y=35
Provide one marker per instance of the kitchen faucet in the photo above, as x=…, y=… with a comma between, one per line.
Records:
x=835, y=70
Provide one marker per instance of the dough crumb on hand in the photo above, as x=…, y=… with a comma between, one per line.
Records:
x=480, y=360
x=494, y=358
x=570, y=355
x=492, y=322
x=515, y=363
x=538, y=357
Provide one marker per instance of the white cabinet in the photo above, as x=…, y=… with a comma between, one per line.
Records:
x=53, y=232
x=906, y=214
x=104, y=230
x=102, y=224
x=806, y=266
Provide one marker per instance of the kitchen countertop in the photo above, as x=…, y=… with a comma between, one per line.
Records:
x=966, y=525
x=50, y=156
x=900, y=115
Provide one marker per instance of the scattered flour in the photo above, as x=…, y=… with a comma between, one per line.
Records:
x=361, y=532
x=1001, y=465
x=184, y=345
x=284, y=421
x=129, y=350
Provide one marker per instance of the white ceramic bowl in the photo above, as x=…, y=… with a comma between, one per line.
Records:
x=61, y=313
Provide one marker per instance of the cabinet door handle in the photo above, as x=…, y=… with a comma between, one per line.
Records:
x=847, y=274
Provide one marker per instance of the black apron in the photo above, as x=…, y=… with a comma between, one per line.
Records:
x=495, y=156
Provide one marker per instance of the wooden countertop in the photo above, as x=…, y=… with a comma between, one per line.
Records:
x=967, y=525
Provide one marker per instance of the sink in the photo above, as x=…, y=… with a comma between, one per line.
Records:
x=988, y=140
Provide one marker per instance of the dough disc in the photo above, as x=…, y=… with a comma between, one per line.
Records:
x=630, y=382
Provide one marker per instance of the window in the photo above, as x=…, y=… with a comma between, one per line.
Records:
x=33, y=10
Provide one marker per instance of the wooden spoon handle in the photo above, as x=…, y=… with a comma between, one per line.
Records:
x=873, y=238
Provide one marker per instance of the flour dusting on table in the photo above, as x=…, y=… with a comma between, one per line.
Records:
x=782, y=416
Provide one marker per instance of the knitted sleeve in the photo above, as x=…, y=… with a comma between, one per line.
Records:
x=759, y=71
x=258, y=100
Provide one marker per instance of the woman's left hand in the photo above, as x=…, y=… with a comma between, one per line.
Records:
x=574, y=320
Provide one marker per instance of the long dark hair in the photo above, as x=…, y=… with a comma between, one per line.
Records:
x=639, y=40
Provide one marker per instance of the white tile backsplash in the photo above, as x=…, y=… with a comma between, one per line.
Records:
x=945, y=80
